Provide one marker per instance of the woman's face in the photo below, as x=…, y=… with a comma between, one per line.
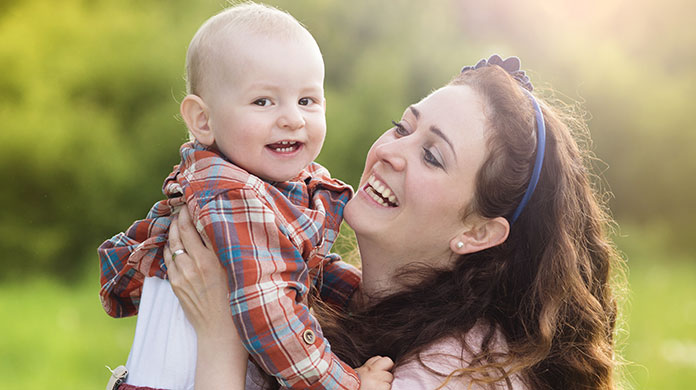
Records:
x=418, y=177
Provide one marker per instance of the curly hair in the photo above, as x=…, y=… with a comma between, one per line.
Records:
x=548, y=289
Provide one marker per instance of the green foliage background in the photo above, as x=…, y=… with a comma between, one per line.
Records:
x=89, y=96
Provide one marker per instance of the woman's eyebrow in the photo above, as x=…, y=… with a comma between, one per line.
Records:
x=435, y=131
x=442, y=135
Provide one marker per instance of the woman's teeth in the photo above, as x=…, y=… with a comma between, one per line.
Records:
x=380, y=193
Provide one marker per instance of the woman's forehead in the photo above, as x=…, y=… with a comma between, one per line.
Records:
x=456, y=109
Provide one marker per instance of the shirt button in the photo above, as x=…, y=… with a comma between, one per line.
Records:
x=308, y=336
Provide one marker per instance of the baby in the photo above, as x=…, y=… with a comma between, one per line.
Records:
x=255, y=111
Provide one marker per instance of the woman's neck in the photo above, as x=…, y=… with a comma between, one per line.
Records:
x=382, y=261
x=377, y=276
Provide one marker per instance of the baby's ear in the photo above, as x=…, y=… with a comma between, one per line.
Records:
x=196, y=115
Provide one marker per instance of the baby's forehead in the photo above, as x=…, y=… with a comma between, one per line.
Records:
x=234, y=42
x=228, y=41
x=236, y=60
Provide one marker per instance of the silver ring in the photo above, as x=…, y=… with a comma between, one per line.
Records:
x=177, y=253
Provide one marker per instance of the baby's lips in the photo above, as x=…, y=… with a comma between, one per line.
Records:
x=283, y=144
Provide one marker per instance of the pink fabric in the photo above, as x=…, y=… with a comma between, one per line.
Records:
x=441, y=359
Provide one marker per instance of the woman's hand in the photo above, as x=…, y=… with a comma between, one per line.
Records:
x=197, y=278
x=200, y=283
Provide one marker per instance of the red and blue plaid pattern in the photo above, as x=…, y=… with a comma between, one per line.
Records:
x=272, y=238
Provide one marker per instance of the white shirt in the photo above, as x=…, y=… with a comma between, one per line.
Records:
x=163, y=354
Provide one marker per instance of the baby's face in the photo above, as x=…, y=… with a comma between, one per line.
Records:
x=267, y=108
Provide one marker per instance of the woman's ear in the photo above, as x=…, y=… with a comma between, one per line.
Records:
x=484, y=233
x=195, y=113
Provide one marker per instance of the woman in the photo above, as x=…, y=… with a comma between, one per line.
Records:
x=484, y=248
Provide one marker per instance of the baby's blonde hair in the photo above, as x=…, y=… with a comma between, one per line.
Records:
x=248, y=17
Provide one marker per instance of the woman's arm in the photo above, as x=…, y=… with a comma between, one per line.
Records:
x=200, y=283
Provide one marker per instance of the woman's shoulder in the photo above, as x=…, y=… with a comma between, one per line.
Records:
x=433, y=365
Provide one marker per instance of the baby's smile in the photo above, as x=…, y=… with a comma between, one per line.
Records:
x=285, y=146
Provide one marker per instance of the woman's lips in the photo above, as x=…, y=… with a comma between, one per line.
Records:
x=380, y=192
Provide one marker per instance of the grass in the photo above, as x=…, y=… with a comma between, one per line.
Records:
x=55, y=335
x=660, y=314
x=662, y=326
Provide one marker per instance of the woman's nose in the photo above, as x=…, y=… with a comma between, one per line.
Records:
x=392, y=153
x=291, y=118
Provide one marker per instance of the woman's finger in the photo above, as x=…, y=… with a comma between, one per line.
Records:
x=187, y=221
x=168, y=258
x=173, y=272
x=174, y=240
x=179, y=263
x=189, y=235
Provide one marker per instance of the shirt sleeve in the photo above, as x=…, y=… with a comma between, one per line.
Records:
x=128, y=257
x=269, y=285
x=121, y=284
x=339, y=281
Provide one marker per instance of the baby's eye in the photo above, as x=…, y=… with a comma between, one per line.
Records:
x=263, y=102
x=400, y=129
x=430, y=158
x=305, y=101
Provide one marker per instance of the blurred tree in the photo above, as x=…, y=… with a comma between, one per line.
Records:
x=89, y=91
x=87, y=111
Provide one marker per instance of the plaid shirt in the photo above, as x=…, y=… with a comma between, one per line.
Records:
x=273, y=240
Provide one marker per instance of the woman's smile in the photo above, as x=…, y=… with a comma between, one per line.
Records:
x=380, y=192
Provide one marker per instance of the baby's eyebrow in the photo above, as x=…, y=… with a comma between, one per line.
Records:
x=262, y=85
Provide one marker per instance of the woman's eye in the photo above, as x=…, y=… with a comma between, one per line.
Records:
x=400, y=129
x=263, y=102
x=430, y=158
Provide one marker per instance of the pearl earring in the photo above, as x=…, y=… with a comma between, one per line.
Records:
x=460, y=245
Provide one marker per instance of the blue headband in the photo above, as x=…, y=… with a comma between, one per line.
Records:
x=512, y=66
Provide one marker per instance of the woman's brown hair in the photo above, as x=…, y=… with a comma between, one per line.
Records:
x=547, y=289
